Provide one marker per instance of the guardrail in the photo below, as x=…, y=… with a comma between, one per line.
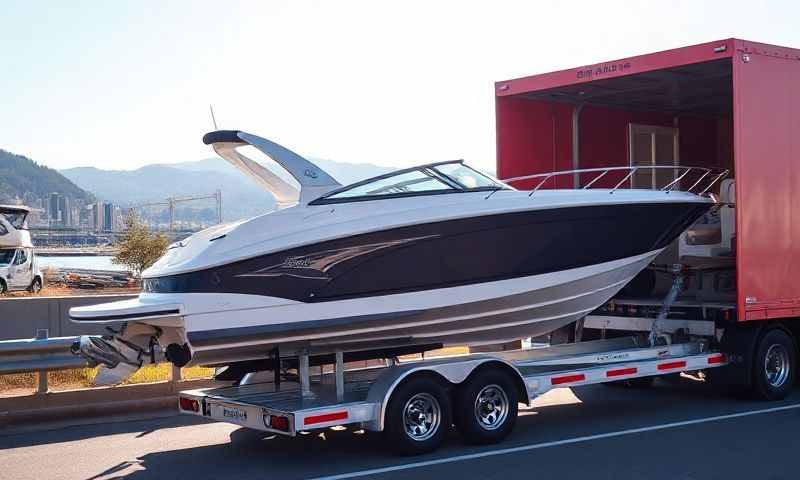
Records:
x=42, y=355
x=38, y=354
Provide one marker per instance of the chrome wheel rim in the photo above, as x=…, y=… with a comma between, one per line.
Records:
x=491, y=407
x=776, y=365
x=422, y=416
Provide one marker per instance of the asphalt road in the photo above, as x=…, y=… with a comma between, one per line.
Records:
x=684, y=431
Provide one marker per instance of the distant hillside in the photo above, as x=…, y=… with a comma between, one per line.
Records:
x=21, y=177
x=344, y=172
x=241, y=197
x=157, y=182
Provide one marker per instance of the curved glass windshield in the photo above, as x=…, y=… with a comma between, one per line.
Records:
x=430, y=179
x=416, y=181
x=467, y=177
x=6, y=255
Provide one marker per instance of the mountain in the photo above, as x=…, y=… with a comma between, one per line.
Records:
x=22, y=178
x=241, y=197
x=155, y=183
x=344, y=173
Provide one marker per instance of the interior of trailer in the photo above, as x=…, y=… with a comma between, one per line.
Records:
x=676, y=116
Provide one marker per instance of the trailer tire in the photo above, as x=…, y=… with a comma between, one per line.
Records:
x=774, y=365
x=418, y=416
x=486, y=406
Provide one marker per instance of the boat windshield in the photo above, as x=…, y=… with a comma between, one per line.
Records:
x=6, y=256
x=428, y=179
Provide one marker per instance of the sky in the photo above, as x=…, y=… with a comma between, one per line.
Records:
x=118, y=85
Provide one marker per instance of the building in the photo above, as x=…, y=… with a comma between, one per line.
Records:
x=108, y=217
x=54, y=208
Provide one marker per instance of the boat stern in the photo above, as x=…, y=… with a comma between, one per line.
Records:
x=151, y=332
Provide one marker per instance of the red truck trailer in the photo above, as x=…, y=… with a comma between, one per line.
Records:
x=730, y=104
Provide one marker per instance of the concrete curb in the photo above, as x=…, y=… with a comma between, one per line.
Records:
x=81, y=407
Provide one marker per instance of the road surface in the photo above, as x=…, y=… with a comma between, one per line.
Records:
x=672, y=431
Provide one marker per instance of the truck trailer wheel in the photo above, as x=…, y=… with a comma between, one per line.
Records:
x=774, y=365
x=485, y=409
x=418, y=416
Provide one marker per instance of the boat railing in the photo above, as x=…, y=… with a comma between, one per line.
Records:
x=701, y=178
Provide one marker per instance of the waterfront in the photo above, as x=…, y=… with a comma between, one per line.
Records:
x=99, y=262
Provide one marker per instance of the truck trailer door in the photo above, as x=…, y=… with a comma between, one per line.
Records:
x=652, y=145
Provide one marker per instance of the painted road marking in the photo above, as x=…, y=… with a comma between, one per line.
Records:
x=568, y=441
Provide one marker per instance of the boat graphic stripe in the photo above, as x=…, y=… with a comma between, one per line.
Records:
x=451, y=253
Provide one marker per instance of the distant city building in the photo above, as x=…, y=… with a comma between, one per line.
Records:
x=53, y=211
x=108, y=217
x=62, y=211
x=97, y=217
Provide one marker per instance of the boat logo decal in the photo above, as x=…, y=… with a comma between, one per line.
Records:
x=297, y=262
x=310, y=173
x=317, y=265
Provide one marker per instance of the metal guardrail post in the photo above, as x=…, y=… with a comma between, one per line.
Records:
x=176, y=374
x=42, y=388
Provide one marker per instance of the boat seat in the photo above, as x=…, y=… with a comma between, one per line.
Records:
x=714, y=233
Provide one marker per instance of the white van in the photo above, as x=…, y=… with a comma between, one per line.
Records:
x=19, y=270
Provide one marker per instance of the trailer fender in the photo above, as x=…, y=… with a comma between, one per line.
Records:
x=453, y=371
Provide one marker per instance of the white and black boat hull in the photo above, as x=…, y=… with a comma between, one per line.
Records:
x=465, y=281
x=486, y=313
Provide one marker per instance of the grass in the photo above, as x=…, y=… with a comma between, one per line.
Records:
x=83, y=377
x=25, y=383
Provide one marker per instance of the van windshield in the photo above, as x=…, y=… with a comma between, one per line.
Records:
x=16, y=219
x=6, y=255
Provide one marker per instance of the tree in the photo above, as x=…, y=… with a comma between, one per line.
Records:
x=139, y=248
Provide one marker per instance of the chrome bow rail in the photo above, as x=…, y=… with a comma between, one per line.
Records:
x=681, y=172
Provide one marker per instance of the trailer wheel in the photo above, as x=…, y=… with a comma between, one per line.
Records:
x=774, y=368
x=418, y=416
x=485, y=408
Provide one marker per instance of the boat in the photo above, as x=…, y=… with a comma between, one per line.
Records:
x=416, y=259
x=14, y=227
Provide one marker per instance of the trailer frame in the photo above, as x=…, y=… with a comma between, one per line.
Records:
x=360, y=396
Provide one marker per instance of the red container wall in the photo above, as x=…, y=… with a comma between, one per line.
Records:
x=532, y=137
x=536, y=137
x=767, y=157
